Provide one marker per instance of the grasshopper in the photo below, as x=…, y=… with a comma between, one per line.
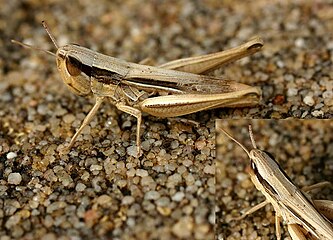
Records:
x=173, y=89
x=301, y=214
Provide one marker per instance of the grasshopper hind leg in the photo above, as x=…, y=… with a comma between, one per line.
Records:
x=316, y=186
x=296, y=232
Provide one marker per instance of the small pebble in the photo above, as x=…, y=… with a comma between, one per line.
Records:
x=299, y=42
x=317, y=113
x=141, y=172
x=132, y=151
x=55, y=206
x=152, y=195
x=95, y=167
x=11, y=155
x=127, y=200
x=183, y=228
x=209, y=169
x=12, y=221
x=178, y=197
x=14, y=178
x=292, y=92
x=80, y=187
x=49, y=236
x=175, y=179
x=104, y=200
x=328, y=94
x=308, y=100
x=187, y=163
x=69, y=118
x=163, y=202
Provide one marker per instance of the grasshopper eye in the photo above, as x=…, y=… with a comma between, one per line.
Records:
x=73, y=66
x=254, y=167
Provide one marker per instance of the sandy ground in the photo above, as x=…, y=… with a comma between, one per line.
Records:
x=100, y=189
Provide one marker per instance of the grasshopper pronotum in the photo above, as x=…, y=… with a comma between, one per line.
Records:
x=303, y=216
x=169, y=90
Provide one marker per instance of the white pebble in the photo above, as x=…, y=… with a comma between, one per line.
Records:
x=187, y=163
x=178, y=196
x=127, y=200
x=132, y=151
x=183, y=228
x=308, y=100
x=175, y=178
x=147, y=144
x=292, y=92
x=104, y=200
x=289, y=77
x=328, y=94
x=69, y=118
x=304, y=114
x=11, y=155
x=141, y=173
x=190, y=179
x=330, y=45
x=130, y=222
x=317, y=113
x=242, y=176
x=14, y=178
x=152, y=195
x=131, y=172
x=163, y=202
x=80, y=187
x=209, y=169
x=299, y=42
x=12, y=221
x=95, y=167
x=280, y=64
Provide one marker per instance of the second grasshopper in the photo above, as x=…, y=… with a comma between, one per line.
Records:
x=173, y=89
x=302, y=215
x=305, y=218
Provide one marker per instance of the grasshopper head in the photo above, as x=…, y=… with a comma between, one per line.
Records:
x=75, y=66
x=258, y=159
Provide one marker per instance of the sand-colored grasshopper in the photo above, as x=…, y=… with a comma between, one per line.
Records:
x=169, y=90
x=305, y=218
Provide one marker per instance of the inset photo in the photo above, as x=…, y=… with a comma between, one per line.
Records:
x=274, y=179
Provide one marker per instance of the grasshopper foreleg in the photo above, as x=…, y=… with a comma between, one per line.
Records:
x=86, y=121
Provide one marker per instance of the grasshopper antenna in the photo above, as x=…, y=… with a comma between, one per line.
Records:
x=241, y=145
x=37, y=48
x=251, y=137
x=50, y=34
x=33, y=47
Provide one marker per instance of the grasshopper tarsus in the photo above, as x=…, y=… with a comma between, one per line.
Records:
x=64, y=150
